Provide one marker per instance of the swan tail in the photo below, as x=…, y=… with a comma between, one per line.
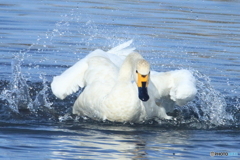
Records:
x=70, y=80
x=122, y=49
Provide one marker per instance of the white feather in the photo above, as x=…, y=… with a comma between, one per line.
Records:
x=73, y=78
x=109, y=94
x=120, y=47
x=70, y=80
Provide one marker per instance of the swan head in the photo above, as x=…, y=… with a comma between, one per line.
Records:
x=142, y=78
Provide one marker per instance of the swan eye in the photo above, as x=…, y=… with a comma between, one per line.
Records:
x=136, y=71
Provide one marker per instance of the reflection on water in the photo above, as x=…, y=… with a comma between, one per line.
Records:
x=113, y=141
x=122, y=142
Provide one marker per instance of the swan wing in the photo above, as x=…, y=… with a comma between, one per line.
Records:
x=70, y=80
x=122, y=50
x=179, y=85
x=73, y=78
x=120, y=47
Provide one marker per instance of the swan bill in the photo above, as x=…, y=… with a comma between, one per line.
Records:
x=143, y=93
x=142, y=83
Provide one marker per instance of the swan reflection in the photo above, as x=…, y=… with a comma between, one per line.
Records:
x=119, y=142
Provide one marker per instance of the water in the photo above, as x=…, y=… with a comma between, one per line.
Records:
x=40, y=39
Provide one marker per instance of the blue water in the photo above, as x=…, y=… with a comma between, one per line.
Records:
x=40, y=39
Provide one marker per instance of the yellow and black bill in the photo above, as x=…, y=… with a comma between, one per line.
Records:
x=142, y=84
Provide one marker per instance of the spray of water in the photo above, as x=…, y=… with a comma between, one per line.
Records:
x=18, y=93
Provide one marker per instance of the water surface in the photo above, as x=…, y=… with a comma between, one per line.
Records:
x=40, y=39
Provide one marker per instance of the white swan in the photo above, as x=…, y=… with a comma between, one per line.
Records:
x=119, y=86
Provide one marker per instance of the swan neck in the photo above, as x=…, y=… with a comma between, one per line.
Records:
x=129, y=67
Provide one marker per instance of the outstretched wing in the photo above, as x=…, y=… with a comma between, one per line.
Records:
x=73, y=78
x=179, y=85
x=70, y=80
x=122, y=50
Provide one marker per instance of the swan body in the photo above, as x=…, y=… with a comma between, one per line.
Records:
x=119, y=86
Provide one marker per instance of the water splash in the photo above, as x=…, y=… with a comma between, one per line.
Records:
x=18, y=93
x=211, y=102
x=42, y=99
x=209, y=107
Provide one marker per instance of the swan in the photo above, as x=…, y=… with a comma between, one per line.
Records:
x=120, y=87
